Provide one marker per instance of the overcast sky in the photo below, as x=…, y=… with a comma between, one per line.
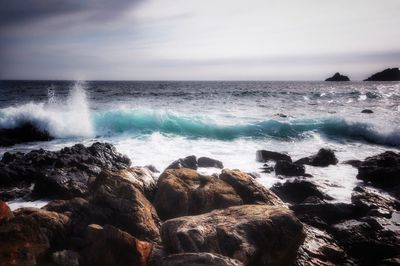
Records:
x=197, y=39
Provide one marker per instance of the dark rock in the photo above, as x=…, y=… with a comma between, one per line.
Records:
x=367, y=240
x=208, y=162
x=281, y=115
x=264, y=156
x=29, y=237
x=254, y=175
x=382, y=170
x=24, y=133
x=390, y=74
x=289, y=169
x=338, y=77
x=354, y=163
x=152, y=168
x=186, y=192
x=111, y=246
x=252, y=234
x=5, y=212
x=187, y=162
x=249, y=190
x=324, y=157
x=199, y=259
x=267, y=168
x=297, y=191
x=66, y=258
x=124, y=206
x=59, y=174
x=367, y=111
x=374, y=204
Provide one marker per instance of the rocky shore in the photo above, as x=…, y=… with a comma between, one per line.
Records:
x=103, y=211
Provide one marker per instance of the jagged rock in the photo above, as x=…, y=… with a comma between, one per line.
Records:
x=390, y=74
x=27, y=238
x=264, y=156
x=5, y=212
x=24, y=133
x=111, y=246
x=209, y=162
x=297, y=191
x=367, y=240
x=252, y=234
x=60, y=174
x=249, y=190
x=289, y=169
x=187, y=162
x=338, y=77
x=198, y=259
x=324, y=157
x=382, y=170
x=186, y=192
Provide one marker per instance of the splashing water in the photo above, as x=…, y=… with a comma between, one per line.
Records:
x=62, y=119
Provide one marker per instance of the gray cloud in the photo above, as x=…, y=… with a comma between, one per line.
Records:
x=22, y=12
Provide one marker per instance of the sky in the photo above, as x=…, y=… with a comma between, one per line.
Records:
x=197, y=39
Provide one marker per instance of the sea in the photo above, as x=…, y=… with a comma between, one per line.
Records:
x=157, y=122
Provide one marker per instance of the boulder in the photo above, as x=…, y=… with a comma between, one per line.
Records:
x=368, y=240
x=297, y=191
x=367, y=111
x=198, y=259
x=249, y=190
x=324, y=157
x=390, y=74
x=266, y=168
x=289, y=169
x=382, y=170
x=209, y=162
x=28, y=238
x=5, y=212
x=264, y=156
x=109, y=245
x=187, y=162
x=186, y=192
x=354, y=163
x=23, y=133
x=252, y=234
x=124, y=206
x=338, y=77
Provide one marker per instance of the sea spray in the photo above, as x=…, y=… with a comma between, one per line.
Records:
x=61, y=119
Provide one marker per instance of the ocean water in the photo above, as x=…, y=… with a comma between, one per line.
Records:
x=156, y=122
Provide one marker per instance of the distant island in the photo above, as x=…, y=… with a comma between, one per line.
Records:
x=338, y=77
x=390, y=74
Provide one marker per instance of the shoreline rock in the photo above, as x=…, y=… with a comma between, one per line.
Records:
x=389, y=74
x=338, y=77
x=23, y=133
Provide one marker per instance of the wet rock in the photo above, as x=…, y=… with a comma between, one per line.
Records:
x=338, y=77
x=186, y=192
x=367, y=240
x=109, y=245
x=124, y=206
x=374, y=204
x=319, y=248
x=254, y=175
x=208, y=162
x=252, y=234
x=367, y=111
x=354, y=163
x=324, y=157
x=24, y=133
x=382, y=170
x=390, y=74
x=63, y=172
x=28, y=238
x=187, y=162
x=289, y=169
x=264, y=156
x=199, y=259
x=66, y=258
x=267, y=168
x=297, y=191
x=152, y=168
x=249, y=190
x=5, y=212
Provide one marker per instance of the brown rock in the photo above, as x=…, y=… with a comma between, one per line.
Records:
x=248, y=189
x=186, y=192
x=252, y=234
x=5, y=212
x=110, y=246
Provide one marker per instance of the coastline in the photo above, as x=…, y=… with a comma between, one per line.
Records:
x=95, y=195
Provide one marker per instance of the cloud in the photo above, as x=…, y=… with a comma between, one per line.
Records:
x=24, y=12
